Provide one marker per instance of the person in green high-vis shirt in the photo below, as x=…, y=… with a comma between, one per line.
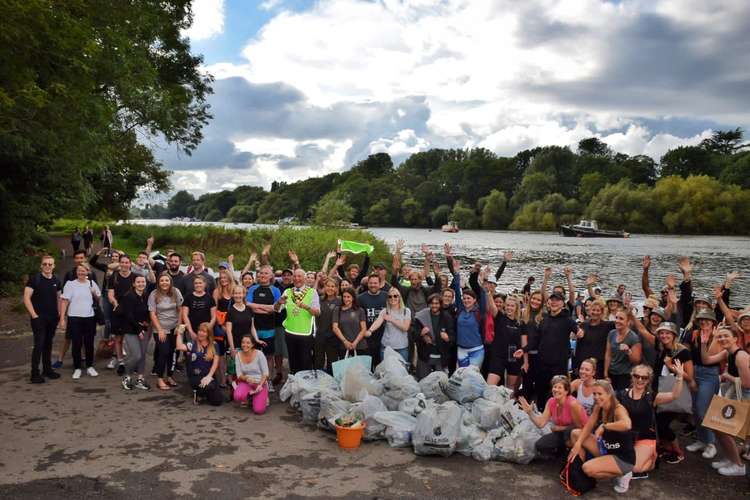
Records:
x=302, y=304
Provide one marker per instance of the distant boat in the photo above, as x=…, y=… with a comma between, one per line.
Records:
x=590, y=229
x=451, y=227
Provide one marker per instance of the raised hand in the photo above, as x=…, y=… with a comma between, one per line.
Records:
x=447, y=250
x=685, y=266
x=730, y=278
x=150, y=241
x=340, y=260
x=230, y=259
x=266, y=248
x=425, y=249
x=672, y=296
x=400, y=245
x=592, y=279
x=646, y=261
x=568, y=271
x=507, y=256
x=547, y=272
x=253, y=257
x=718, y=292
x=293, y=257
x=331, y=254
x=671, y=281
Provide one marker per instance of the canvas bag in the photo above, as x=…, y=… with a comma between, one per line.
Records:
x=339, y=367
x=683, y=404
x=729, y=416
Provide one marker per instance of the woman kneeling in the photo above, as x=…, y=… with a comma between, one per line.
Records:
x=611, y=444
x=252, y=376
x=203, y=361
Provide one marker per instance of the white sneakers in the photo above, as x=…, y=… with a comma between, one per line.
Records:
x=733, y=470
x=709, y=452
x=91, y=372
x=719, y=464
x=696, y=446
x=622, y=483
x=76, y=374
x=112, y=363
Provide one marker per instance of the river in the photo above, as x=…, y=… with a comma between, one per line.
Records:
x=615, y=260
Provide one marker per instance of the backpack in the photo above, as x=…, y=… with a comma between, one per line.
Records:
x=574, y=480
x=487, y=325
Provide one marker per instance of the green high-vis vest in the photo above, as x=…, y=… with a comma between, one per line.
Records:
x=298, y=321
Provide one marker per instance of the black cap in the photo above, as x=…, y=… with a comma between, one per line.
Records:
x=557, y=295
x=379, y=265
x=287, y=271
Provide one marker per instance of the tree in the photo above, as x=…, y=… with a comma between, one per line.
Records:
x=179, y=203
x=737, y=171
x=591, y=184
x=270, y=209
x=534, y=187
x=464, y=216
x=440, y=215
x=724, y=142
x=593, y=146
x=412, y=213
x=213, y=215
x=242, y=213
x=689, y=160
x=495, y=213
x=332, y=209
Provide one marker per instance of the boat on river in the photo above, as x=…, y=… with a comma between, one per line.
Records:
x=590, y=229
x=451, y=227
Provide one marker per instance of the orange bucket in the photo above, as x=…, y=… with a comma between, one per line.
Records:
x=350, y=437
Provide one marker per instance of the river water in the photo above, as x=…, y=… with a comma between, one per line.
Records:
x=614, y=260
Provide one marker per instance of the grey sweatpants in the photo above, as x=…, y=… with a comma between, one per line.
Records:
x=135, y=349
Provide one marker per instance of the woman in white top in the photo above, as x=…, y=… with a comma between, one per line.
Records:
x=78, y=308
x=584, y=385
x=252, y=376
x=397, y=319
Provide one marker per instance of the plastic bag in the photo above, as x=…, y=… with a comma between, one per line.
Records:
x=466, y=384
x=511, y=415
x=368, y=407
x=310, y=406
x=437, y=430
x=399, y=427
x=432, y=386
x=518, y=450
x=305, y=382
x=486, y=450
x=416, y=405
x=357, y=379
x=289, y=388
x=470, y=435
x=393, y=365
x=498, y=394
x=487, y=413
x=396, y=389
x=331, y=407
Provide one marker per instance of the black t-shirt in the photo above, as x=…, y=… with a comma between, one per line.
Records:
x=641, y=413
x=120, y=284
x=199, y=309
x=372, y=305
x=44, y=298
x=594, y=342
x=507, y=336
x=242, y=322
x=266, y=295
x=553, y=342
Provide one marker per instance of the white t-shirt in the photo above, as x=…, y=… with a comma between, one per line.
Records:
x=81, y=300
x=393, y=336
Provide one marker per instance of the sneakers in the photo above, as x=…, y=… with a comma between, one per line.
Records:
x=112, y=363
x=733, y=470
x=696, y=446
x=622, y=483
x=640, y=475
x=57, y=364
x=51, y=375
x=91, y=372
x=142, y=385
x=270, y=387
x=121, y=368
x=674, y=457
x=76, y=374
x=127, y=384
x=720, y=464
x=37, y=379
x=709, y=452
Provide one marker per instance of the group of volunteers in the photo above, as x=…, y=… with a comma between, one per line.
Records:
x=612, y=378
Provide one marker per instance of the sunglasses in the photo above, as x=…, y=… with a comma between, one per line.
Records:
x=393, y=297
x=47, y=264
x=640, y=377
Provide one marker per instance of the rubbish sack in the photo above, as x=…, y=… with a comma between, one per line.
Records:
x=470, y=435
x=437, y=430
x=398, y=388
x=518, y=450
x=368, y=407
x=432, y=386
x=487, y=413
x=511, y=415
x=289, y=388
x=356, y=379
x=416, y=405
x=399, y=427
x=393, y=365
x=466, y=384
x=310, y=406
x=332, y=406
x=305, y=382
x=498, y=394
x=486, y=450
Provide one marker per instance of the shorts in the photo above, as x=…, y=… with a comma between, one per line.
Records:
x=117, y=325
x=623, y=465
x=471, y=356
x=500, y=364
x=280, y=343
x=651, y=443
x=270, y=340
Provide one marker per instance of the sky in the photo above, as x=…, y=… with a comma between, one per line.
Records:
x=307, y=88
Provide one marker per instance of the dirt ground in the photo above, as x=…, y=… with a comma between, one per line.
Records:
x=91, y=439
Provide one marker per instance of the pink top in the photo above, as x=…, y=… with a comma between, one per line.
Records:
x=566, y=419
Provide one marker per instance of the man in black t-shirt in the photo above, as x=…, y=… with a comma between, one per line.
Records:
x=119, y=284
x=373, y=301
x=41, y=296
x=261, y=297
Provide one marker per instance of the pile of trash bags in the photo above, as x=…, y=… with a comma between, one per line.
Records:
x=436, y=416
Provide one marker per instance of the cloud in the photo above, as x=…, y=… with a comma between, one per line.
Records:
x=208, y=19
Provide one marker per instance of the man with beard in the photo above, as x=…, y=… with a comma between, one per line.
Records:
x=373, y=301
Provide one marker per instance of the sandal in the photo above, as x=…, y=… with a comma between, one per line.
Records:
x=163, y=386
x=171, y=382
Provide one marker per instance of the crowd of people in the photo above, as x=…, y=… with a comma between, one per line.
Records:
x=613, y=378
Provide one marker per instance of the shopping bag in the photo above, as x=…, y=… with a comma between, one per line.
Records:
x=729, y=416
x=683, y=404
x=339, y=367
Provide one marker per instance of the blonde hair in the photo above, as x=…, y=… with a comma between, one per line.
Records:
x=591, y=361
x=607, y=387
x=210, y=348
x=527, y=310
x=515, y=299
x=229, y=286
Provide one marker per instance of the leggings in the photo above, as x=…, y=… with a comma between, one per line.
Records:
x=326, y=353
x=135, y=360
x=663, y=425
x=259, y=400
x=553, y=444
x=212, y=392
x=82, y=333
x=164, y=352
x=43, y=329
x=300, y=348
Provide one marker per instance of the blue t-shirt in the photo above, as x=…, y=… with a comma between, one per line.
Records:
x=199, y=365
x=267, y=295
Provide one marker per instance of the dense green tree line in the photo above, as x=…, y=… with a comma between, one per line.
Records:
x=84, y=85
x=689, y=191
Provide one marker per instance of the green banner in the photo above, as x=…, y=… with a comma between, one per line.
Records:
x=355, y=247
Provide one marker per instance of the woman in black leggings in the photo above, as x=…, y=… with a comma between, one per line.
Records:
x=203, y=361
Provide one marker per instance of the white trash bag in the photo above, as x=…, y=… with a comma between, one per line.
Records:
x=487, y=413
x=399, y=427
x=396, y=389
x=393, y=365
x=486, y=450
x=416, y=405
x=437, y=430
x=470, y=435
x=498, y=394
x=465, y=385
x=368, y=407
x=432, y=386
x=332, y=406
x=356, y=379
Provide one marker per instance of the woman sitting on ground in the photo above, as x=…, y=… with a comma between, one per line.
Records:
x=203, y=361
x=564, y=411
x=607, y=437
x=738, y=367
x=584, y=385
x=252, y=376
